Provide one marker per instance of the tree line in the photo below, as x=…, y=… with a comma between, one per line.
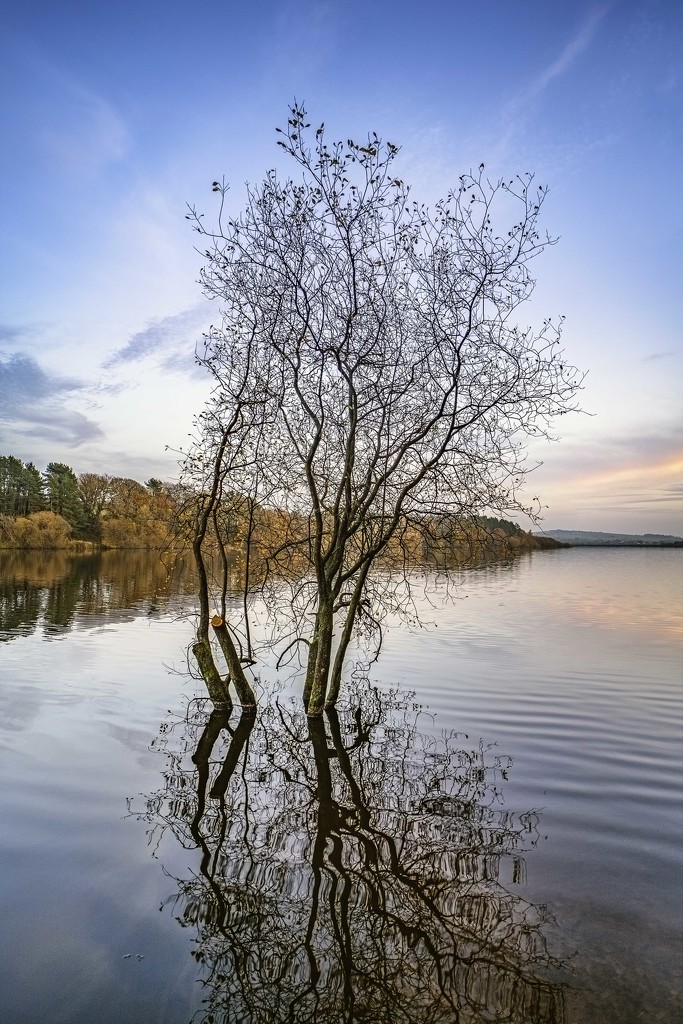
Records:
x=54, y=508
x=58, y=507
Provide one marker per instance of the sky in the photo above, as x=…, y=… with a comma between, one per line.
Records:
x=115, y=116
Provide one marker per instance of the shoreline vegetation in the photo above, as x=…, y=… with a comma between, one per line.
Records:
x=60, y=511
x=593, y=538
x=85, y=514
x=48, y=531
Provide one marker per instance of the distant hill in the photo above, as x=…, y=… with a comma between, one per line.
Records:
x=590, y=538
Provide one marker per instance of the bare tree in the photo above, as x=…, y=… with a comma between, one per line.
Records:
x=371, y=372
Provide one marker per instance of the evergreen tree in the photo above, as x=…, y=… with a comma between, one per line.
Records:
x=21, y=487
x=11, y=471
x=33, y=483
x=63, y=495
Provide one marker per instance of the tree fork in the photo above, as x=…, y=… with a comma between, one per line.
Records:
x=245, y=694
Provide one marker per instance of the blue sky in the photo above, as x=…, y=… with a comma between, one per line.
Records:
x=115, y=115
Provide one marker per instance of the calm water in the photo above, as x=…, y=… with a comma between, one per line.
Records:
x=488, y=831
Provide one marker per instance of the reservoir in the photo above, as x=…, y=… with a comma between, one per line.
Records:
x=488, y=830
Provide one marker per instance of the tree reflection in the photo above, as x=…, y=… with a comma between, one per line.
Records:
x=353, y=868
x=55, y=592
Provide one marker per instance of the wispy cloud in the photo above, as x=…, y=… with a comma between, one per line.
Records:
x=656, y=356
x=32, y=401
x=80, y=131
x=517, y=111
x=664, y=447
x=180, y=362
x=570, y=52
x=666, y=496
x=601, y=456
x=58, y=425
x=169, y=333
x=23, y=380
x=94, y=139
x=9, y=333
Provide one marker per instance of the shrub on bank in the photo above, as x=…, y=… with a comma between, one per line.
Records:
x=124, y=533
x=40, y=530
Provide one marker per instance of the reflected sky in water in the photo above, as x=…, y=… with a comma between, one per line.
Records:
x=353, y=868
x=538, y=777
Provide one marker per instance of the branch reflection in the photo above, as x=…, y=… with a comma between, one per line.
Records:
x=355, y=868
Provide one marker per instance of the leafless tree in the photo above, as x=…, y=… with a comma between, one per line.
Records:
x=372, y=375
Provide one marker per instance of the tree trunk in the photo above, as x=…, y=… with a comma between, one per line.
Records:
x=310, y=665
x=218, y=720
x=218, y=689
x=345, y=639
x=203, y=624
x=320, y=668
x=245, y=694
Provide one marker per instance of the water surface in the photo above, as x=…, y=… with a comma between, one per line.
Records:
x=488, y=831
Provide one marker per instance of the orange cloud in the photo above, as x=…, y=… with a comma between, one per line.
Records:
x=634, y=474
